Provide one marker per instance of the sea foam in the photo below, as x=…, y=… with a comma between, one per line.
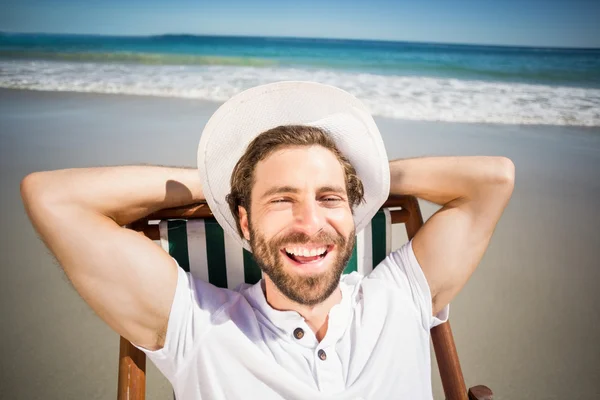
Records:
x=401, y=97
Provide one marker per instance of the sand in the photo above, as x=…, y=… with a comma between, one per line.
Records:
x=525, y=324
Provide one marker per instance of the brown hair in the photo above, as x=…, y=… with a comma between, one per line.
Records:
x=242, y=177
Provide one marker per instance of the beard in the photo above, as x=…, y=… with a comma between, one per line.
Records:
x=305, y=290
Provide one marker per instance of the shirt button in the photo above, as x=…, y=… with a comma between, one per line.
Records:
x=298, y=333
x=322, y=355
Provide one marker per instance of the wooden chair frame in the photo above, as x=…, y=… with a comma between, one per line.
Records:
x=405, y=209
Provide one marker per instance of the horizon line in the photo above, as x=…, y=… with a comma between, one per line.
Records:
x=305, y=38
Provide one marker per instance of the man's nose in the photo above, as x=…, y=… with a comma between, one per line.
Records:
x=309, y=217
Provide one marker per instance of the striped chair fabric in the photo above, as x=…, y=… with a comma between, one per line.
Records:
x=201, y=247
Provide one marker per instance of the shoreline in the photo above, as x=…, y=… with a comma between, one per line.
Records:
x=214, y=103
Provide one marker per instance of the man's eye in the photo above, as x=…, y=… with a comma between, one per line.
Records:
x=331, y=199
x=280, y=201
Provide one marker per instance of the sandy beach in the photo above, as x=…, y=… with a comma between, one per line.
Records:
x=525, y=325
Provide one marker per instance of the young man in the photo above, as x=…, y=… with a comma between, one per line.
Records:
x=292, y=170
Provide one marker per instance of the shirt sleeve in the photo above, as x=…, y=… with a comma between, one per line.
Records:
x=402, y=268
x=195, y=305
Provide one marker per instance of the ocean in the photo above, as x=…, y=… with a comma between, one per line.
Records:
x=403, y=80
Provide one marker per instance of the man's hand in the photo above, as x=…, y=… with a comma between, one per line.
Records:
x=126, y=279
x=474, y=192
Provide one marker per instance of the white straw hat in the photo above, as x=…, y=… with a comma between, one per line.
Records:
x=243, y=117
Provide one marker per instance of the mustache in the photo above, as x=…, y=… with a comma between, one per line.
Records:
x=320, y=237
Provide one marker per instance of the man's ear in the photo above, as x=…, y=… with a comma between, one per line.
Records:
x=244, y=222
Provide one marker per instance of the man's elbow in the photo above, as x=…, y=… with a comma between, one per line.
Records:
x=29, y=186
x=36, y=192
x=504, y=174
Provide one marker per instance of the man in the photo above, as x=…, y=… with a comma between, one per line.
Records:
x=292, y=170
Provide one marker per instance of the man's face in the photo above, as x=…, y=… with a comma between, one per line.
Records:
x=300, y=226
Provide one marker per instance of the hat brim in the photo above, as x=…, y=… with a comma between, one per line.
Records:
x=238, y=121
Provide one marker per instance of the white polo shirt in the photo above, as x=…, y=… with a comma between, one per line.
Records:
x=224, y=344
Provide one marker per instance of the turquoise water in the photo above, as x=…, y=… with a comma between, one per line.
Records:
x=518, y=64
x=397, y=79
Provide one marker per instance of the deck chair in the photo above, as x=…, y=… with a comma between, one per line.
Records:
x=193, y=237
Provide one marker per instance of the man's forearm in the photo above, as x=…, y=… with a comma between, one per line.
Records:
x=124, y=194
x=444, y=179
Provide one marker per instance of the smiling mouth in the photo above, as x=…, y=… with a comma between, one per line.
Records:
x=304, y=255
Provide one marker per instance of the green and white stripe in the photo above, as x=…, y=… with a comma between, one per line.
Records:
x=373, y=244
x=202, y=248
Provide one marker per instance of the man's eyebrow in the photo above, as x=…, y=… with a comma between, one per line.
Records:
x=333, y=189
x=279, y=190
x=290, y=189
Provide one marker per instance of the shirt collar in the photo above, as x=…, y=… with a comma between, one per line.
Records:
x=286, y=322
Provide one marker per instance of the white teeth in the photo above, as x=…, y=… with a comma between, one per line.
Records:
x=304, y=252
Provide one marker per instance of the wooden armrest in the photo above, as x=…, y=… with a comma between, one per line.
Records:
x=152, y=232
x=480, y=392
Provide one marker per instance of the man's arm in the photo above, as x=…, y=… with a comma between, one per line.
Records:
x=126, y=279
x=474, y=192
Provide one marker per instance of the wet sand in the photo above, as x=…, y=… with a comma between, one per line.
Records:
x=525, y=324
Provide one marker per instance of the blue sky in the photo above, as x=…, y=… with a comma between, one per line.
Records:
x=508, y=22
